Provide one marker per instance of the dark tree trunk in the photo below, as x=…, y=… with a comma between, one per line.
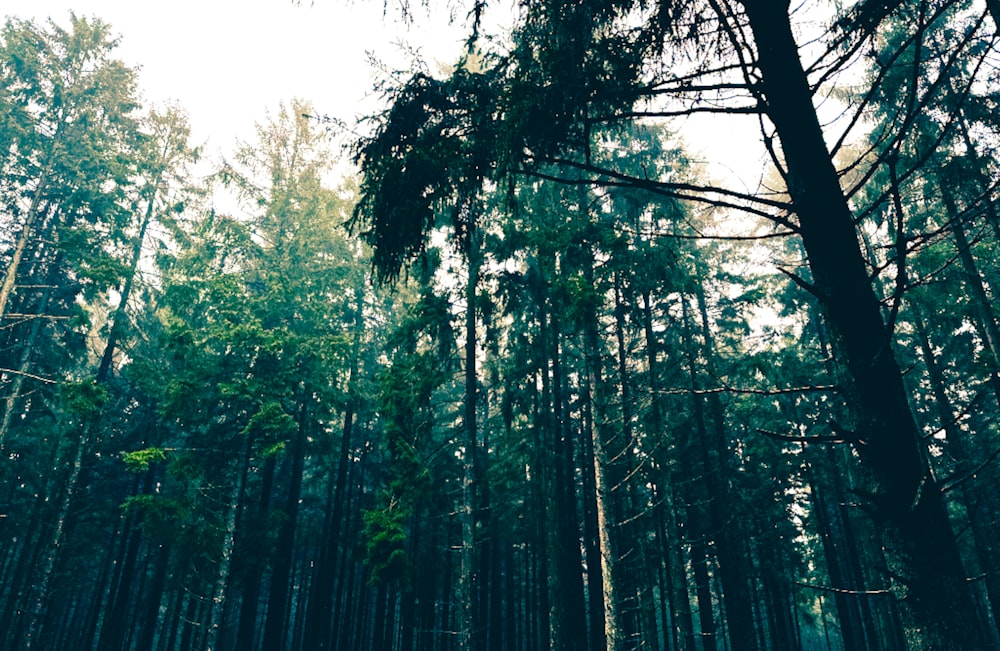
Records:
x=985, y=321
x=276, y=626
x=571, y=607
x=850, y=607
x=149, y=620
x=674, y=582
x=734, y=565
x=546, y=588
x=607, y=525
x=592, y=546
x=120, y=597
x=321, y=618
x=470, y=580
x=976, y=502
x=907, y=504
x=250, y=604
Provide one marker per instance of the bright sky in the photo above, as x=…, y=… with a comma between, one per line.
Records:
x=228, y=61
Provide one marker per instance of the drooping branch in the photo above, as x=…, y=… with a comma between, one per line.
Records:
x=605, y=177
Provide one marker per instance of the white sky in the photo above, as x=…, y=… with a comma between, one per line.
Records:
x=227, y=62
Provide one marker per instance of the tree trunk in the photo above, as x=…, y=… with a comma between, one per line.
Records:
x=213, y=628
x=120, y=597
x=605, y=519
x=983, y=535
x=592, y=540
x=120, y=315
x=675, y=576
x=7, y=288
x=40, y=601
x=248, y=626
x=320, y=624
x=149, y=620
x=275, y=629
x=570, y=607
x=470, y=578
x=908, y=506
x=985, y=322
x=699, y=496
x=734, y=565
x=22, y=371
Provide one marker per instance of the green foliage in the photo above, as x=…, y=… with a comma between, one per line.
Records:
x=385, y=536
x=572, y=60
x=159, y=514
x=83, y=399
x=269, y=428
x=139, y=460
x=431, y=152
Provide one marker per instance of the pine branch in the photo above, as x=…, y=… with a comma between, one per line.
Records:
x=751, y=392
x=863, y=593
x=801, y=282
x=955, y=480
x=793, y=438
x=29, y=376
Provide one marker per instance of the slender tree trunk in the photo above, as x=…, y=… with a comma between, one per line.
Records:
x=983, y=534
x=613, y=630
x=120, y=315
x=982, y=183
x=699, y=518
x=214, y=625
x=120, y=596
x=19, y=609
x=592, y=541
x=849, y=616
x=908, y=505
x=546, y=593
x=470, y=577
x=321, y=625
x=250, y=603
x=10, y=403
x=682, y=627
x=42, y=597
x=570, y=607
x=986, y=323
x=275, y=630
x=149, y=620
x=631, y=539
x=10, y=278
x=734, y=565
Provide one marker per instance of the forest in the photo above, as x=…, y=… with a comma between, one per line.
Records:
x=533, y=374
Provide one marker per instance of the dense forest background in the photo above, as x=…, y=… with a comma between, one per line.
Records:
x=529, y=378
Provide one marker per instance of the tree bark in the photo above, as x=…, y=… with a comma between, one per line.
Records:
x=275, y=629
x=734, y=565
x=668, y=531
x=605, y=513
x=985, y=322
x=907, y=503
x=470, y=579
x=120, y=315
x=213, y=627
x=40, y=601
x=26, y=230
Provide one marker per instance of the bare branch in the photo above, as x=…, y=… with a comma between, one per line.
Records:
x=29, y=376
x=863, y=593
